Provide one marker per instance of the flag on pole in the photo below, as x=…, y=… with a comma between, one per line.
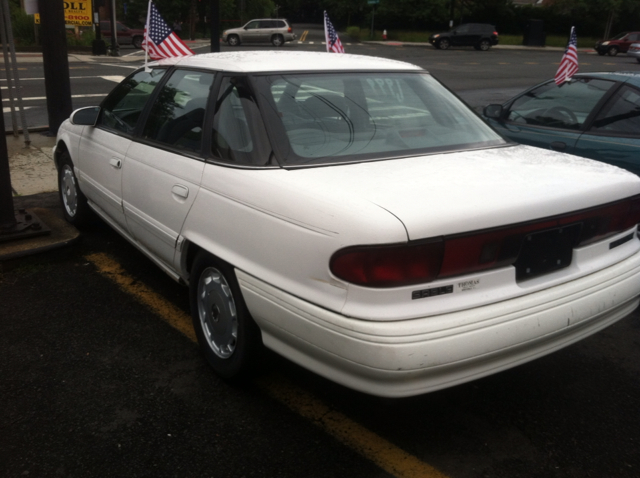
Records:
x=569, y=64
x=331, y=36
x=159, y=40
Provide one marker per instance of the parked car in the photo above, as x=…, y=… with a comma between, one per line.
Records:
x=595, y=115
x=126, y=35
x=618, y=44
x=634, y=51
x=351, y=214
x=274, y=30
x=481, y=36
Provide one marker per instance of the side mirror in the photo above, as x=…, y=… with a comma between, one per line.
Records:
x=85, y=116
x=493, y=111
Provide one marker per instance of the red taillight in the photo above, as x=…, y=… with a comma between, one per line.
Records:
x=289, y=30
x=424, y=261
x=389, y=265
x=495, y=33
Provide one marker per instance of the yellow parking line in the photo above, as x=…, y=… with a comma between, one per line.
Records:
x=303, y=37
x=383, y=453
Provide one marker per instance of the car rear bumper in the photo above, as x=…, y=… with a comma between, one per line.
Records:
x=412, y=357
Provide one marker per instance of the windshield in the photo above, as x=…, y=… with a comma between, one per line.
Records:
x=321, y=118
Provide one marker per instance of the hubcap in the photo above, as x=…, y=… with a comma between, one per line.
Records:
x=69, y=190
x=217, y=313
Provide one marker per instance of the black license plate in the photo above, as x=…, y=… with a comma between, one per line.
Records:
x=546, y=251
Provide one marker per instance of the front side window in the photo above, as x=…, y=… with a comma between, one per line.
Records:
x=177, y=115
x=622, y=114
x=566, y=106
x=320, y=118
x=252, y=26
x=122, y=108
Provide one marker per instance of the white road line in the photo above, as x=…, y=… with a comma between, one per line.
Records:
x=8, y=110
x=39, y=98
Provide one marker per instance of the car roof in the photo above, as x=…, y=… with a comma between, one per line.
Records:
x=632, y=77
x=271, y=61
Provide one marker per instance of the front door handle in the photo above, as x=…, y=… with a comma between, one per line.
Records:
x=180, y=190
x=116, y=163
x=558, y=146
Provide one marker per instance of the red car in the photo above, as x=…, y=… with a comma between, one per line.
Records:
x=618, y=44
x=126, y=35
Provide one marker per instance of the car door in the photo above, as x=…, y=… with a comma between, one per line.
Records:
x=462, y=35
x=103, y=148
x=614, y=135
x=162, y=172
x=552, y=116
x=251, y=32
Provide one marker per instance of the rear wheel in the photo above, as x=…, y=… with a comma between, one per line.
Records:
x=137, y=42
x=74, y=204
x=484, y=45
x=444, y=44
x=277, y=40
x=227, y=335
x=612, y=51
x=233, y=40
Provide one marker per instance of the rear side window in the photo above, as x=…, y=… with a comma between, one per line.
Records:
x=238, y=134
x=621, y=115
x=122, y=108
x=566, y=106
x=177, y=115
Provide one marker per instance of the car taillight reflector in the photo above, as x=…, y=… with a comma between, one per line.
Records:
x=417, y=262
x=289, y=30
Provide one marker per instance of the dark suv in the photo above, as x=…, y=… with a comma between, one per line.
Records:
x=481, y=36
x=618, y=44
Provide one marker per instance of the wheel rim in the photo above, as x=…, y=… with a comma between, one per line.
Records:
x=444, y=44
x=277, y=41
x=484, y=46
x=69, y=190
x=233, y=41
x=217, y=313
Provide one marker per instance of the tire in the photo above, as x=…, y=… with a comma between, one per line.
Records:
x=233, y=40
x=137, y=42
x=444, y=44
x=601, y=52
x=612, y=51
x=484, y=45
x=638, y=60
x=228, y=337
x=277, y=40
x=74, y=204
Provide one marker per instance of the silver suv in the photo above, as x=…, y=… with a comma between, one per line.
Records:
x=274, y=30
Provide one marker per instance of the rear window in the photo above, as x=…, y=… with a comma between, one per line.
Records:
x=320, y=118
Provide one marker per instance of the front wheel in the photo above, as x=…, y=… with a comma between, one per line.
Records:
x=74, y=204
x=137, y=42
x=444, y=44
x=277, y=40
x=612, y=51
x=233, y=40
x=227, y=335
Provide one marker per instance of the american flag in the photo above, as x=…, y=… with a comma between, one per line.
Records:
x=159, y=40
x=331, y=36
x=569, y=64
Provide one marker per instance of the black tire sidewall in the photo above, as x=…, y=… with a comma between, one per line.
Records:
x=245, y=358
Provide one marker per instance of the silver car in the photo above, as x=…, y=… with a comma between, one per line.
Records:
x=274, y=30
x=634, y=51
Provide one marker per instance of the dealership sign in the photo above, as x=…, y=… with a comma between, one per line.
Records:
x=77, y=12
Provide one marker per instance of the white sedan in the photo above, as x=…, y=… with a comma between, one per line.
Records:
x=351, y=214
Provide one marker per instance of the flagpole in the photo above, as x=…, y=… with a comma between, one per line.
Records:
x=146, y=34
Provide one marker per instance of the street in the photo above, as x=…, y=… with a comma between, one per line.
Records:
x=101, y=376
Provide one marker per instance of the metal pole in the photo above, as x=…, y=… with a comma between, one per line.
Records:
x=5, y=51
x=215, y=25
x=115, y=49
x=7, y=215
x=16, y=76
x=373, y=13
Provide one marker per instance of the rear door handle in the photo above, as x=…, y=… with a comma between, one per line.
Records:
x=180, y=190
x=558, y=146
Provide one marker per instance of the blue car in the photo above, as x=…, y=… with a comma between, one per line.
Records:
x=595, y=115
